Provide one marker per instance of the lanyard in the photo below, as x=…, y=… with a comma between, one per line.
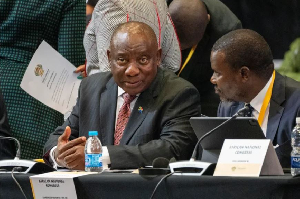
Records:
x=188, y=58
x=266, y=101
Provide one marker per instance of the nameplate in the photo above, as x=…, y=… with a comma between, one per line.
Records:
x=248, y=157
x=55, y=184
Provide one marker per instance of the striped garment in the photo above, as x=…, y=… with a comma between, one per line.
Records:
x=108, y=14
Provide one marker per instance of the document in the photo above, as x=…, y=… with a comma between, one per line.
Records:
x=55, y=184
x=248, y=158
x=50, y=79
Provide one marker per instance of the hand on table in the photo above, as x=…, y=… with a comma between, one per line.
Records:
x=70, y=154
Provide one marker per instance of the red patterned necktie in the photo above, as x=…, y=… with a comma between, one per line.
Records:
x=123, y=117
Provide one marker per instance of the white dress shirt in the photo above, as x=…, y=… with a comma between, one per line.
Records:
x=120, y=102
x=257, y=103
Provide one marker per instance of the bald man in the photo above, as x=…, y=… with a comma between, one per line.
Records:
x=153, y=100
x=199, y=24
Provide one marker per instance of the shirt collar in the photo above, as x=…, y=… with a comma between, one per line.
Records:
x=257, y=102
x=121, y=92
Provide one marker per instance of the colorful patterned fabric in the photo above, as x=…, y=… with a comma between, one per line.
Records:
x=23, y=26
x=108, y=14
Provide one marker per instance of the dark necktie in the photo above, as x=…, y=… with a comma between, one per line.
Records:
x=123, y=117
x=249, y=112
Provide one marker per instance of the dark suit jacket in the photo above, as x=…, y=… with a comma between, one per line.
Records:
x=7, y=147
x=284, y=108
x=198, y=71
x=161, y=130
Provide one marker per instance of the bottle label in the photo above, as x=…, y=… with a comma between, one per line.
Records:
x=93, y=160
x=295, y=162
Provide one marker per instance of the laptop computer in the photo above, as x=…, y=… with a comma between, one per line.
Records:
x=238, y=128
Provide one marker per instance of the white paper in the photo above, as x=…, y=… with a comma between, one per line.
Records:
x=55, y=184
x=50, y=79
x=242, y=157
x=244, y=151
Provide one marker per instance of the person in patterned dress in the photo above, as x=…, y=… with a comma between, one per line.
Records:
x=23, y=26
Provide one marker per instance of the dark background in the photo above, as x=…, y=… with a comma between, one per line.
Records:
x=278, y=21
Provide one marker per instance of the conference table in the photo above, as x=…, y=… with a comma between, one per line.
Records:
x=127, y=185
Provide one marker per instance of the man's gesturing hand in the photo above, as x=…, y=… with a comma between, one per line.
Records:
x=70, y=154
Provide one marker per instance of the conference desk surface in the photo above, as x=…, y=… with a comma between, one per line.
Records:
x=125, y=185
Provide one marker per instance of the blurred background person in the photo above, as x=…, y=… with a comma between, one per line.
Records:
x=90, y=5
x=108, y=15
x=23, y=26
x=199, y=24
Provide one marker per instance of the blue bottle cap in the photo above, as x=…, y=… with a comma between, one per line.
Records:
x=93, y=133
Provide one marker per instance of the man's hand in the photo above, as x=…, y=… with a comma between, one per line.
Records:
x=70, y=154
x=81, y=69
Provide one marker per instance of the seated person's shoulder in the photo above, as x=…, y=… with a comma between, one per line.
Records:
x=292, y=84
x=173, y=87
x=172, y=81
x=292, y=91
x=94, y=79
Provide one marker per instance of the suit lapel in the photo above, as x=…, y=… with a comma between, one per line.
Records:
x=276, y=110
x=108, y=104
x=145, y=101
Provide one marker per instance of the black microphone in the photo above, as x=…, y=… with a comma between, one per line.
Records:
x=199, y=167
x=27, y=166
x=160, y=162
x=160, y=166
x=172, y=160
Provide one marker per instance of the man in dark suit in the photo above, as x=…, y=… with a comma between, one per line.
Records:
x=158, y=125
x=7, y=147
x=199, y=24
x=244, y=73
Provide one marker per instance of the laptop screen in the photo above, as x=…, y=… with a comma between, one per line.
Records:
x=238, y=128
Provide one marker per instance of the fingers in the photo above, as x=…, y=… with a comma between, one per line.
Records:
x=77, y=165
x=64, y=138
x=78, y=141
x=73, y=165
x=81, y=69
x=74, y=158
x=64, y=144
x=70, y=151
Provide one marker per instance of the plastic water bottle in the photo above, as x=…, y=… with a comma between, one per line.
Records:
x=93, y=153
x=295, y=155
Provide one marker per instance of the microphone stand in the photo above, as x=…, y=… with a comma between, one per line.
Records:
x=18, y=153
x=194, y=167
x=24, y=166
